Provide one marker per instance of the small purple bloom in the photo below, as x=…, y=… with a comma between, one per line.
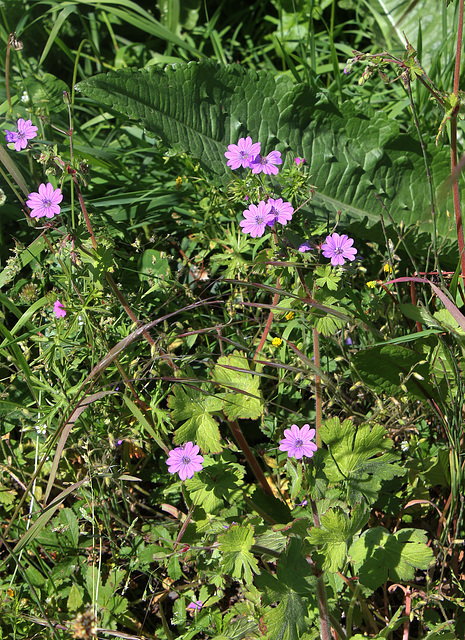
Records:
x=348, y=341
x=256, y=219
x=26, y=131
x=196, y=606
x=59, y=310
x=338, y=248
x=299, y=161
x=185, y=460
x=305, y=246
x=118, y=443
x=45, y=202
x=281, y=211
x=240, y=154
x=298, y=442
x=304, y=503
x=266, y=163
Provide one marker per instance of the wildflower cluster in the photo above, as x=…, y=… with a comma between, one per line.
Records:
x=246, y=154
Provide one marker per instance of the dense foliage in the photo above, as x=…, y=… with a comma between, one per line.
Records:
x=231, y=288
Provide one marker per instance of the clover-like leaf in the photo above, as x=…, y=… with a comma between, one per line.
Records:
x=358, y=458
x=195, y=407
x=243, y=398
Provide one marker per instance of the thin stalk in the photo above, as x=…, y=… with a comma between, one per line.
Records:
x=325, y=627
x=318, y=389
x=453, y=146
x=268, y=324
x=243, y=445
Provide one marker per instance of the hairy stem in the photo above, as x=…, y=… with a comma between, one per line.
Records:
x=243, y=445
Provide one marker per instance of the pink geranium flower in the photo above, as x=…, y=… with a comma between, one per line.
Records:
x=59, y=310
x=298, y=442
x=256, y=219
x=266, y=164
x=281, y=211
x=240, y=154
x=339, y=249
x=26, y=131
x=45, y=202
x=185, y=460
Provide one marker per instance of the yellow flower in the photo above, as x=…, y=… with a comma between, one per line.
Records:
x=371, y=284
x=289, y=315
x=388, y=269
x=276, y=342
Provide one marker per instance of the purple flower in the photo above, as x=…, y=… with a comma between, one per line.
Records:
x=338, y=248
x=240, y=154
x=26, y=131
x=185, y=460
x=45, y=202
x=299, y=161
x=305, y=246
x=59, y=310
x=298, y=442
x=266, y=163
x=196, y=606
x=256, y=219
x=281, y=211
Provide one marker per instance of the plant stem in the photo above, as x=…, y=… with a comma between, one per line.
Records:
x=243, y=445
x=453, y=147
x=325, y=627
x=318, y=390
x=268, y=324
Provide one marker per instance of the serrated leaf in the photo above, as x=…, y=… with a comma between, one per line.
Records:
x=385, y=368
x=219, y=486
x=195, y=406
x=335, y=535
x=381, y=555
x=287, y=620
x=243, y=399
x=354, y=155
x=358, y=459
x=75, y=598
x=237, y=560
x=68, y=518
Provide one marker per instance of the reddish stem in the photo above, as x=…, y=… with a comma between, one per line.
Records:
x=243, y=445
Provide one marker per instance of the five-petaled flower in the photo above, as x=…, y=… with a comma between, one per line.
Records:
x=281, y=211
x=196, y=606
x=299, y=161
x=240, y=154
x=339, y=249
x=276, y=342
x=266, y=164
x=26, y=131
x=305, y=246
x=45, y=202
x=298, y=442
x=185, y=460
x=59, y=310
x=256, y=219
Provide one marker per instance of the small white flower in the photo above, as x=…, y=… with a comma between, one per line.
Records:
x=25, y=97
x=404, y=445
x=41, y=429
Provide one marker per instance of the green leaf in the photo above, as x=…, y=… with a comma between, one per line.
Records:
x=392, y=369
x=219, y=486
x=68, y=518
x=335, y=535
x=243, y=398
x=46, y=92
x=237, y=560
x=354, y=155
x=379, y=555
x=358, y=459
x=195, y=406
x=287, y=620
x=75, y=598
x=327, y=278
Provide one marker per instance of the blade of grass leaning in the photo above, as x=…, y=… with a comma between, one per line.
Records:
x=55, y=30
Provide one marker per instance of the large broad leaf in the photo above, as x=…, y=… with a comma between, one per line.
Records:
x=379, y=555
x=394, y=370
x=357, y=158
x=358, y=459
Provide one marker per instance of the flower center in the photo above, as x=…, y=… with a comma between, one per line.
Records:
x=21, y=135
x=244, y=154
x=259, y=220
x=47, y=203
x=186, y=460
x=338, y=251
x=299, y=443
